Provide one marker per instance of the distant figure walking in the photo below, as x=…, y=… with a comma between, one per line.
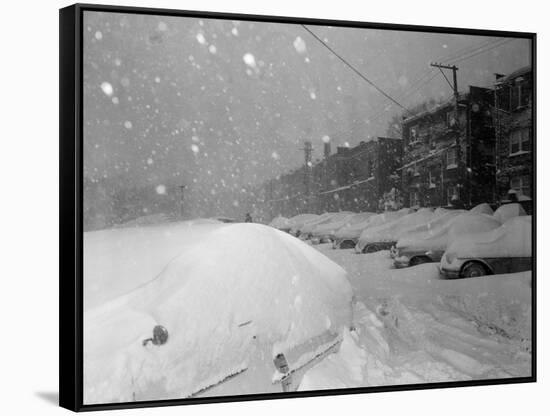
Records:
x=248, y=217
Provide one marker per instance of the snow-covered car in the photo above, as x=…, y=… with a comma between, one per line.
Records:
x=506, y=249
x=508, y=211
x=217, y=310
x=307, y=230
x=280, y=223
x=324, y=233
x=298, y=225
x=346, y=237
x=385, y=236
x=429, y=246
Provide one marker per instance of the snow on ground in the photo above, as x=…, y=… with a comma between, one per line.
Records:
x=411, y=326
x=231, y=296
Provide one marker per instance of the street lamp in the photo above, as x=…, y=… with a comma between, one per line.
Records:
x=182, y=188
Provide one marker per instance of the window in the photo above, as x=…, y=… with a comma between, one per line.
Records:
x=452, y=194
x=451, y=158
x=431, y=179
x=521, y=184
x=520, y=141
x=413, y=134
x=414, y=201
x=450, y=118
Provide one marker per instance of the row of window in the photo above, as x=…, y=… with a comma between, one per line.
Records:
x=453, y=194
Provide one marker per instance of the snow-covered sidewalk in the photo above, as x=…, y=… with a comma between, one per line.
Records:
x=413, y=327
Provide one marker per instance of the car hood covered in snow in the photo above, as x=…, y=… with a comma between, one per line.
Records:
x=438, y=238
x=393, y=230
x=508, y=211
x=236, y=294
x=512, y=239
x=346, y=220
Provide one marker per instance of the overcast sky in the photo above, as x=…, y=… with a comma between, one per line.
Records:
x=219, y=103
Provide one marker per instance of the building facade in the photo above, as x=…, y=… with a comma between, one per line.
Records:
x=448, y=155
x=352, y=179
x=514, y=132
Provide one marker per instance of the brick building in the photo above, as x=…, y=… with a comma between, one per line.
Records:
x=449, y=161
x=352, y=179
x=514, y=132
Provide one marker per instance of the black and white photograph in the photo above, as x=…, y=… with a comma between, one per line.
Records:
x=280, y=208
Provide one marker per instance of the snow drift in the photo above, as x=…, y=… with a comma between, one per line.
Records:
x=231, y=300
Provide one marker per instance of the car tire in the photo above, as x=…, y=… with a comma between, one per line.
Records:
x=415, y=261
x=370, y=248
x=474, y=269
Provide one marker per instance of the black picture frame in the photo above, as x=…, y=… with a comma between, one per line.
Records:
x=71, y=205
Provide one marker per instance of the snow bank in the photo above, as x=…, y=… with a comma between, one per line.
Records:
x=411, y=326
x=512, y=239
x=240, y=292
x=507, y=211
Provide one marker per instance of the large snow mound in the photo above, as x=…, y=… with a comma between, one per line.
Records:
x=512, y=239
x=239, y=288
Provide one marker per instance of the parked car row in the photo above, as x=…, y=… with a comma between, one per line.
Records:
x=502, y=238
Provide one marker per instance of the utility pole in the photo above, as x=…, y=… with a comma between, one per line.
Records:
x=308, y=150
x=454, y=87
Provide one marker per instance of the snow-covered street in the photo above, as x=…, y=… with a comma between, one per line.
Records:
x=413, y=327
x=232, y=298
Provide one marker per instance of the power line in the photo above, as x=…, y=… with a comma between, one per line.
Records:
x=483, y=51
x=380, y=90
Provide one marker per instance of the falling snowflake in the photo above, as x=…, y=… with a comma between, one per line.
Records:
x=249, y=59
x=149, y=161
x=299, y=45
x=157, y=80
x=161, y=189
x=275, y=155
x=163, y=27
x=235, y=31
x=107, y=88
x=312, y=95
x=201, y=39
x=325, y=139
x=212, y=49
x=128, y=124
x=195, y=148
x=98, y=35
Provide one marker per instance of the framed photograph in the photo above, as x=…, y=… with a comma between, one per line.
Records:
x=260, y=207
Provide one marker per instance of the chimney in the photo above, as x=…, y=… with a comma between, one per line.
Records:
x=327, y=150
